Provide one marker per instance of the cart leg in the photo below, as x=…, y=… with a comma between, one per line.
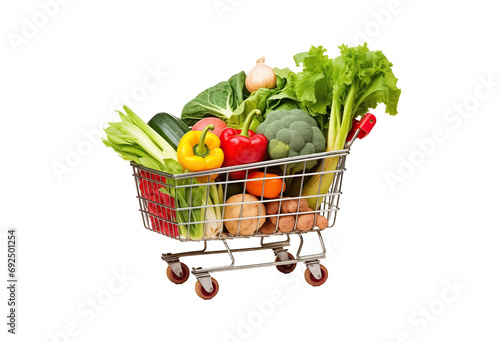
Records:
x=201, y=271
x=275, y=243
x=321, y=255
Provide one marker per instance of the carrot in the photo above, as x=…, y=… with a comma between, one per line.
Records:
x=271, y=188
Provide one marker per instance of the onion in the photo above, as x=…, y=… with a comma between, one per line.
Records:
x=261, y=76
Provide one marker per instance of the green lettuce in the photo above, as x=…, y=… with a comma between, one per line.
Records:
x=342, y=89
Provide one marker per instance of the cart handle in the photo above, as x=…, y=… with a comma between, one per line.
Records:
x=361, y=128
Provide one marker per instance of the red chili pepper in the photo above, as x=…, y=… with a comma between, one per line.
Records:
x=242, y=146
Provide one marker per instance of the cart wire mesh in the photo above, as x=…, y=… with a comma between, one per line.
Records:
x=180, y=206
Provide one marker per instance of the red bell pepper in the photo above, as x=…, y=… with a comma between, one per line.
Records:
x=242, y=146
x=160, y=206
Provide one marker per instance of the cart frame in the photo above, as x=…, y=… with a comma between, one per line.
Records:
x=206, y=286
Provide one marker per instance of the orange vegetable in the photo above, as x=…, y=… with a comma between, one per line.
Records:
x=273, y=185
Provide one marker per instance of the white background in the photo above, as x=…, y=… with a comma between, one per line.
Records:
x=394, y=251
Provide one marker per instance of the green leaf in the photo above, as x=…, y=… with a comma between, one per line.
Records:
x=237, y=83
x=312, y=86
x=282, y=73
x=150, y=133
x=257, y=100
x=218, y=101
x=299, y=58
x=173, y=166
x=134, y=140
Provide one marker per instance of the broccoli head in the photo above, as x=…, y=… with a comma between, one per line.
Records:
x=292, y=133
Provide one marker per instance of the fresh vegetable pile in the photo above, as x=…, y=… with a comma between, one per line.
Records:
x=267, y=114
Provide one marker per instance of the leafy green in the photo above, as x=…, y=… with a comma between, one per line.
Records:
x=218, y=101
x=209, y=208
x=284, y=95
x=231, y=102
x=185, y=197
x=313, y=85
x=257, y=100
x=285, y=104
x=349, y=85
x=266, y=100
x=135, y=141
x=237, y=83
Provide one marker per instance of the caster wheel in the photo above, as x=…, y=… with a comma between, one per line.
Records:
x=311, y=280
x=202, y=293
x=176, y=279
x=286, y=268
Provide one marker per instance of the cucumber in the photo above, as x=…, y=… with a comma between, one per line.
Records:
x=169, y=127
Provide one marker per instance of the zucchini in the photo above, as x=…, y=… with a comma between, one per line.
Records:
x=169, y=127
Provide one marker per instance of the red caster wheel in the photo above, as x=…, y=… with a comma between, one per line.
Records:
x=286, y=268
x=202, y=293
x=176, y=279
x=311, y=280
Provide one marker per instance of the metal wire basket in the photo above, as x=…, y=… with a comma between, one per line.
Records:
x=161, y=212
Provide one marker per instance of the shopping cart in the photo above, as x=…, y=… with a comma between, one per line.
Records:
x=160, y=197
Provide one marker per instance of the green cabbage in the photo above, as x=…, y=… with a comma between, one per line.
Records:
x=218, y=101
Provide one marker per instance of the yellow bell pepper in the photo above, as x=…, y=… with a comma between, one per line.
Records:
x=200, y=151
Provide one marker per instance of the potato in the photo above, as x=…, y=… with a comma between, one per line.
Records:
x=286, y=223
x=303, y=205
x=251, y=208
x=274, y=219
x=305, y=221
x=290, y=206
x=268, y=227
x=321, y=222
x=274, y=206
